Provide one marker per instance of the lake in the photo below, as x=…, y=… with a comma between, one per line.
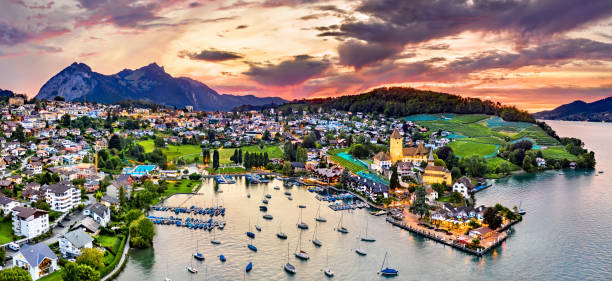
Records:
x=565, y=234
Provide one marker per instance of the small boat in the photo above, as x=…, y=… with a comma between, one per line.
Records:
x=258, y=227
x=250, y=234
x=315, y=240
x=340, y=227
x=222, y=258
x=268, y=196
x=287, y=193
x=280, y=233
x=249, y=267
x=289, y=267
x=215, y=241
x=328, y=271
x=302, y=206
x=252, y=247
x=319, y=218
x=561, y=173
x=265, y=201
x=520, y=210
x=198, y=256
x=268, y=216
x=361, y=252
x=387, y=271
x=191, y=269
x=263, y=208
x=290, y=198
x=276, y=188
x=301, y=224
x=249, y=195
x=600, y=171
x=299, y=253
x=366, y=238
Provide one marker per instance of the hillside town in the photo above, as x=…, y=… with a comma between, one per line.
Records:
x=76, y=176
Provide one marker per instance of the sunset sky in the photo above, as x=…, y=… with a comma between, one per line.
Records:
x=533, y=54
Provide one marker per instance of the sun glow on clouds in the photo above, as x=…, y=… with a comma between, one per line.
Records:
x=306, y=49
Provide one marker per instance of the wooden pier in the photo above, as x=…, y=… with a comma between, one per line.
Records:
x=477, y=252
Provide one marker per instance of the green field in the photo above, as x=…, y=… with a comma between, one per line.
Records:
x=111, y=242
x=353, y=167
x=493, y=164
x=469, y=148
x=55, y=276
x=6, y=232
x=274, y=151
x=182, y=186
x=557, y=153
x=174, y=151
x=228, y=170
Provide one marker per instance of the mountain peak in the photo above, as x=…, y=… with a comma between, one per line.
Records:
x=154, y=67
x=79, y=66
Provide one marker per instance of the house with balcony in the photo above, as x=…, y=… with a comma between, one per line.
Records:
x=30, y=222
x=7, y=204
x=99, y=213
x=73, y=242
x=62, y=197
x=38, y=260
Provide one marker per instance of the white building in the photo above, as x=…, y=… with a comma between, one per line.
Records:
x=30, y=222
x=99, y=212
x=71, y=243
x=62, y=197
x=38, y=260
x=7, y=204
x=464, y=186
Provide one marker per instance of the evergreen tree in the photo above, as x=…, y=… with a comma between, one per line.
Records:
x=420, y=207
x=394, y=181
x=114, y=142
x=216, y=159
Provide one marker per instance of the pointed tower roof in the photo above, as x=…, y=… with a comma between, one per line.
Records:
x=396, y=134
x=431, y=157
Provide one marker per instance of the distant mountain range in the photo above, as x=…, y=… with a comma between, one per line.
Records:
x=597, y=111
x=151, y=83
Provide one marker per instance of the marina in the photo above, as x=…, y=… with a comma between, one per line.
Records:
x=410, y=254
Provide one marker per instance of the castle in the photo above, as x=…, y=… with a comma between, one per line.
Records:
x=415, y=155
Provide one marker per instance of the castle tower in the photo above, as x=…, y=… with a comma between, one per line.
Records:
x=397, y=147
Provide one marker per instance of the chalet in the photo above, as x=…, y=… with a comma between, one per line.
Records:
x=99, y=212
x=38, y=260
x=73, y=242
x=464, y=186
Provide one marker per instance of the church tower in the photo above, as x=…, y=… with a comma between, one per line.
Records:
x=397, y=147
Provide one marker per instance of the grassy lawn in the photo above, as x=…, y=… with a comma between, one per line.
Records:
x=55, y=276
x=182, y=186
x=6, y=232
x=111, y=242
x=495, y=162
x=468, y=148
x=274, y=151
x=174, y=151
x=557, y=153
x=229, y=170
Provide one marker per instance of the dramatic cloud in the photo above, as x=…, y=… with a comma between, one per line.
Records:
x=289, y=72
x=402, y=22
x=11, y=36
x=358, y=54
x=210, y=55
x=550, y=53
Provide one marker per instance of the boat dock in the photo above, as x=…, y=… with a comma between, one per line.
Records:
x=212, y=211
x=440, y=239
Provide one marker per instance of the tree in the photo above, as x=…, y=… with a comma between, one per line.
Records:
x=527, y=163
x=142, y=232
x=420, y=207
x=455, y=172
x=79, y=272
x=2, y=255
x=15, y=274
x=394, y=181
x=92, y=257
x=491, y=218
x=301, y=154
x=216, y=159
x=308, y=142
x=114, y=142
x=65, y=120
x=344, y=177
x=287, y=169
x=132, y=215
x=19, y=134
x=159, y=142
x=121, y=196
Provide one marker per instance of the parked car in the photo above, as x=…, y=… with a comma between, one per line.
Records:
x=14, y=246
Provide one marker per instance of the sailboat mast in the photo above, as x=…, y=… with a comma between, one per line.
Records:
x=383, y=264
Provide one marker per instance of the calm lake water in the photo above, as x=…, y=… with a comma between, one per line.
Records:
x=564, y=236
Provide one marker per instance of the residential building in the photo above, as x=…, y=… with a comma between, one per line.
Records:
x=382, y=161
x=30, y=222
x=464, y=186
x=71, y=243
x=7, y=204
x=62, y=196
x=37, y=259
x=99, y=213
